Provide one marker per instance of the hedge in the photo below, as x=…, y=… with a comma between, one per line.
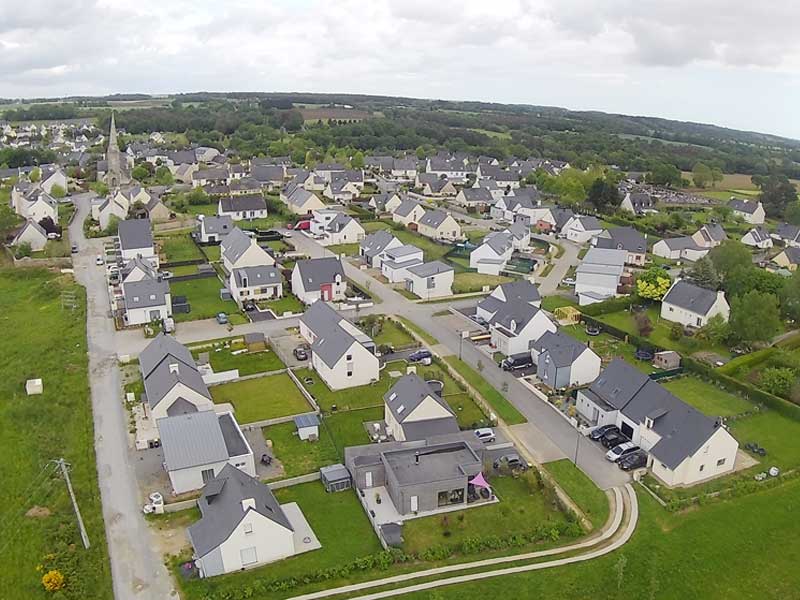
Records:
x=608, y=306
x=747, y=361
x=631, y=338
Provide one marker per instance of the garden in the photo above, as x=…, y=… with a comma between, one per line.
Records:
x=178, y=247
x=261, y=398
x=385, y=332
x=288, y=303
x=709, y=399
x=464, y=283
x=582, y=490
x=499, y=403
x=350, y=398
x=607, y=347
x=204, y=300
x=228, y=354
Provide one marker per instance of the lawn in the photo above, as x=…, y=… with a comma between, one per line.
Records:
x=426, y=337
x=278, y=246
x=289, y=303
x=707, y=398
x=550, y=303
x=212, y=253
x=390, y=334
x=346, y=249
x=521, y=508
x=431, y=249
x=184, y=270
x=589, y=498
x=296, y=456
x=779, y=435
x=500, y=405
x=475, y=282
x=347, y=428
x=270, y=222
x=55, y=248
x=468, y=414
x=607, y=347
x=248, y=363
x=41, y=339
x=262, y=398
x=204, y=300
x=351, y=398
x=179, y=248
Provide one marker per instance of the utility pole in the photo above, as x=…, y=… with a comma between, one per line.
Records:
x=63, y=465
x=577, y=446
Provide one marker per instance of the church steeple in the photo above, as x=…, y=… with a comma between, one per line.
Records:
x=112, y=133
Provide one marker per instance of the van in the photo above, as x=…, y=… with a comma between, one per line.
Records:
x=485, y=434
x=520, y=361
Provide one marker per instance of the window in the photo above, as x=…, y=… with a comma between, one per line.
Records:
x=720, y=462
x=248, y=528
x=248, y=556
x=207, y=475
x=702, y=467
x=431, y=283
x=648, y=422
x=350, y=372
x=349, y=357
x=671, y=309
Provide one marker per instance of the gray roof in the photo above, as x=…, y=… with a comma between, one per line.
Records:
x=376, y=242
x=332, y=341
x=243, y=202
x=406, y=206
x=163, y=378
x=433, y=218
x=793, y=254
x=315, y=272
x=234, y=440
x=191, y=440
x=145, y=293
x=213, y=224
x=480, y=194
x=499, y=241
x=139, y=262
x=300, y=196
x=256, y=276
x=135, y=234
x=561, y=216
x=713, y=231
x=339, y=222
x=562, y=348
x=235, y=244
x=623, y=238
x=309, y=420
x=161, y=347
x=514, y=316
x=221, y=506
x=787, y=231
x=745, y=206
x=759, y=234
x=590, y=223
x=617, y=384
x=270, y=173
x=521, y=290
x=407, y=394
x=401, y=251
x=430, y=269
x=691, y=297
x=439, y=462
x=519, y=230
x=682, y=243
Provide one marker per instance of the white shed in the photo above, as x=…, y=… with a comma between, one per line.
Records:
x=307, y=426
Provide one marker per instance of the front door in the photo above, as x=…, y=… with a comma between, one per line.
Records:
x=368, y=479
x=626, y=430
x=414, y=504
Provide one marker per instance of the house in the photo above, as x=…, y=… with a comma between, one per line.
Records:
x=382, y=202
x=491, y=257
x=437, y=186
x=300, y=201
x=787, y=234
x=684, y=445
x=197, y=447
x=691, y=305
x=246, y=206
x=430, y=280
x=319, y=279
x=757, y=237
x=245, y=186
x=328, y=170
x=112, y=208
x=341, y=229
x=240, y=250
x=554, y=220
x=136, y=270
x=404, y=168
x=638, y=203
x=396, y=261
x=408, y=213
x=530, y=205
x=393, y=200
x=503, y=178
x=710, y=235
x=212, y=176
x=516, y=322
x=439, y=225
x=752, y=211
x=135, y=239
x=789, y=258
x=451, y=169
x=172, y=384
x=475, y=197
x=342, y=354
x=211, y=230
x=581, y=229
x=562, y=361
x=269, y=176
x=520, y=235
x=51, y=176
x=682, y=248
x=156, y=210
x=513, y=291
x=241, y=525
x=251, y=284
x=36, y=205
x=145, y=301
x=371, y=249
x=413, y=411
x=598, y=276
x=33, y=234
x=624, y=238
x=341, y=190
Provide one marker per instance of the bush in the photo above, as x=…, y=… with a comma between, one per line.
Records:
x=23, y=250
x=676, y=332
x=53, y=581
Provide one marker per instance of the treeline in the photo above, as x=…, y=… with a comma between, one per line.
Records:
x=43, y=112
x=23, y=157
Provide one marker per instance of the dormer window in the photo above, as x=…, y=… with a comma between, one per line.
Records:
x=648, y=422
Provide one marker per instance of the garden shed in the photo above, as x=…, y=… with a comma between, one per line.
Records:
x=335, y=478
x=668, y=359
x=307, y=426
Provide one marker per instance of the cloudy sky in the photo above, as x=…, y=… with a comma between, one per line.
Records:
x=730, y=62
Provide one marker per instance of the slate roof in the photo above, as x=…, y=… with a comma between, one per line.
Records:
x=145, y=293
x=690, y=297
x=267, y=173
x=498, y=241
x=191, y=440
x=300, y=197
x=317, y=271
x=682, y=243
x=140, y=263
x=235, y=244
x=135, y=234
x=376, y=242
x=339, y=222
x=433, y=218
x=788, y=232
x=430, y=269
x=713, y=232
x=399, y=252
x=161, y=347
x=480, y=194
x=243, y=202
x=332, y=340
x=793, y=254
x=222, y=510
x=759, y=234
x=521, y=290
x=562, y=348
x=256, y=276
x=590, y=223
x=407, y=394
x=162, y=379
x=406, y=206
x=213, y=224
x=624, y=238
x=745, y=206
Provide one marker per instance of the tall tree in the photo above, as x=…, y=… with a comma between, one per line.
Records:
x=704, y=274
x=653, y=283
x=604, y=196
x=701, y=175
x=790, y=297
x=755, y=317
x=729, y=256
x=777, y=192
x=664, y=174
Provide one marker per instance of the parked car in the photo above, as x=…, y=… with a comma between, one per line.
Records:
x=303, y=225
x=485, y=434
x=601, y=431
x=633, y=461
x=74, y=249
x=222, y=318
x=513, y=461
x=613, y=438
x=300, y=353
x=570, y=281
x=167, y=274
x=621, y=450
x=520, y=361
x=53, y=236
x=288, y=234
x=422, y=356
x=99, y=260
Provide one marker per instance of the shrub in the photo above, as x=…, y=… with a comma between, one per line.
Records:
x=676, y=332
x=23, y=250
x=53, y=581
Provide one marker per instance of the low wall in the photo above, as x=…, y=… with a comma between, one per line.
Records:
x=275, y=421
x=284, y=483
x=179, y=506
x=36, y=263
x=221, y=377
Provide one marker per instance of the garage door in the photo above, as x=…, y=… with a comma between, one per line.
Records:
x=626, y=430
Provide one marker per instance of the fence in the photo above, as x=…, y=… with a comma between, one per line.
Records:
x=183, y=263
x=275, y=421
x=192, y=276
x=665, y=374
x=35, y=263
x=284, y=483
x=311, y=400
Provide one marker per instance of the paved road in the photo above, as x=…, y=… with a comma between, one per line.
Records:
x=136, y=566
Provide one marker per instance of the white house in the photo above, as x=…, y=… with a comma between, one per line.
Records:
x=319, y=279
x=439, y=225
x=520, y=235
x=493, y=254
x=341, y=190
x=516, y=322
x=693, y=306
x=710, y=235
x=342, y=354
x=393, y=200
x=299, y=200
x=413, y=411
x=53, y=175
x=251, y=284
x=340, y=229
x=240, y=207
x=787, y=233
x=475, y=197
x=372, y=248
x=598, y=276
x=31, y=233
x=396, y=261
x=638, y=203
x=752, y=211
x=513, y=291
x=408, y=213
x=682, y=248
x=562, y=361
x=430, y=280
x=240, y=250
x=624, y=238
x=758, y=237
x=211, y=230
x=580, y=229
x=136, y=239
x=113, y=207
x=37, y=205
x=145, y=301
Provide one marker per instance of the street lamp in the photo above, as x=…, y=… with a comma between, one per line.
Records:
x=577, y=446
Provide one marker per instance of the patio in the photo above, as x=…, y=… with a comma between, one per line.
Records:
x=385, y=511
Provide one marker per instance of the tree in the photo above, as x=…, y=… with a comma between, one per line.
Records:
x=604, y=196
x=140, y=172
x=716, y=331
x=777, y=192
x=35, y=175
x=701, y=175
x=49, y=225
x=420, y=152
x=643, y=324
x=728, y=256
x=675, y=332
x=23, y=250
x=744, y=279
x=704, y=274
x=58, y=191
x=754, y=317
x=792, y=213
x=664, y=174
x=716, y=176
x=357, y=162
x=777, y=380
x=164, y=176
x=653, y=283
x=197, y=196
x=790, y=297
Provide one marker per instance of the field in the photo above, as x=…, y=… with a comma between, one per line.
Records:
x=179, y=248
x=348, y=399
x=589, y=498
x=261, y=398
x=502, y=135
x=204, y=300
x=706, y=397
x=500, y=405
x=40, y=339
x=248, y=363
x=346, y=249
x=475, y=282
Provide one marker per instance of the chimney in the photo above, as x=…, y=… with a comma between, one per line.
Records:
x=173, y=368
x=416, y=457
x=248, y=503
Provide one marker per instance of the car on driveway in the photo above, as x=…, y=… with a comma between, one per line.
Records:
x=222, y=318
x=300, y=353
x=633, y=461
x=569, y=281
x=621, y=450
x=520, y=361
x=512, y=461
x=485, y=434
x=421, y=356
x=613, y=438
x=599, y=432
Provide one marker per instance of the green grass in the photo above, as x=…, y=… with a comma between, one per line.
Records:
x=179, y=248
x=500, y=405
x=706, y=397
x=42, y=340
x=430, y=249
x=248, y=363
x=607, y=347
x=270, y=222
x=347, y=428
x=278, y=246
x=468, y=414
x=589, y=498
x=503, y=135
x=778, y=434
x=184, y=270
x=204, y=300
x=424, y=335
x=296, y=456
x=208, y=210
x=289, y=303
x=262, y=398
x=54, y=248
x=551, y=303
x=392, y=334
x=475, y=282
x=351, y=398
x=347, y=249
x=519, y=508
x=212, y=253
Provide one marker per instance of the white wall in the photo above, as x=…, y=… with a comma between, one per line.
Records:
x=141, y=316
x=443, y=285
x=676, y=314
x=271, y=541
x=363, y=368
x=187, y=480
x=721, y=446
x=180, y=390
x=585, y=369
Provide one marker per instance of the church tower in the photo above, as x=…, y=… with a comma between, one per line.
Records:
x=116, y=171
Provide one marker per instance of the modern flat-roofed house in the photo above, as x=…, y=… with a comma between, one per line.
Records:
x=692, y=305
x=491, y=257
x=408, y=213
x=198, y=445
x=624, y=238
x=598, y=276
x=146, y=301
x=241, y=525
x=682, y=248
x=752, y=211
x=243, y=207
x=439, y=225
x=413, y=411
x=789, y=258
x=684, y=445
x=372, y=248
x=342, y=354
x=710, y=235
x=319, y=279
x=757, y=237
x=136, y=239
x=430, y=280
x=31, y=233
x=211, y=230
x=562, y=361
x=240, y=250
x=638, y=203
x=396, y=261
x=580, y=229
x=251, y=284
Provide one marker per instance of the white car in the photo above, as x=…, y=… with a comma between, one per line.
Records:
x=99, y=260
x=485, y=434
x=621, y=450
x=568, y=281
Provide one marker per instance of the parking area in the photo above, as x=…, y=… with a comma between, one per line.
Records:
x=284, y=346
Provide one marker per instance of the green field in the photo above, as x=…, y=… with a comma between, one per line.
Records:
x=779, y=435
x=42, y=340
x=248, y=363
x=346, y=249
x=390, y=333
x=347, y=428
x=551, y=303
x=424, y=335
x=299, y=457
x=204, y=300
x=589, y=498
x=707, y=398
x=262, y=398
x=475, y=282
x=351, y=398
x=212, y=253
x=289, y=303
x=500, y=405
x=179, y=248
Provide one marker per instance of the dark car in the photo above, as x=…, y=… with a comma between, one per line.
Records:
x=301, y=353
x=520, y=361
x=513, y=461
x=423, y=356
x=634, y=460
x=74, y=249
x=613, y=438
x=601, y=431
